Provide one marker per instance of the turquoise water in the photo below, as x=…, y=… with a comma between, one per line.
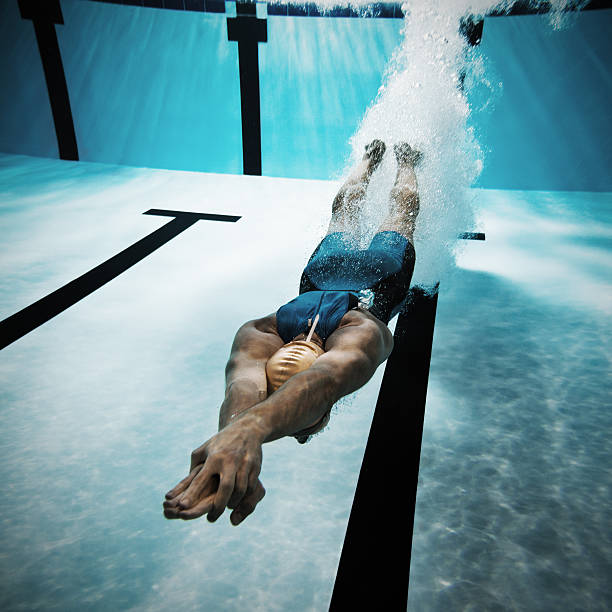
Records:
x=102, y=405
x=513, y=504
x=164, y=85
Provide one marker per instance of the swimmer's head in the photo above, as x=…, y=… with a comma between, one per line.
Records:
x=295, y=356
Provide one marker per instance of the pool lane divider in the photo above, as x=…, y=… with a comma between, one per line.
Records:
x=374, y=10
x=374, y=568
x=248, y=31
x=23, y=322
x=471, y=236
x=374, y=564
x=44, y=16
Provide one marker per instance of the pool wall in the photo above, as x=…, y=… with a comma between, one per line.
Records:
x=102, y=404
x=160, y=88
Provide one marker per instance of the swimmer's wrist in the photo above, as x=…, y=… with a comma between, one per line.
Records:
x=253, y=424
x=264, y=426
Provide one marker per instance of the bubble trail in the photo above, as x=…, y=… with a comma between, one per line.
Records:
x=423, y=101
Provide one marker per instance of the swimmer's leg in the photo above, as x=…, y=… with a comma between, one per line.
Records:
x=347, y=203
x=404, y=196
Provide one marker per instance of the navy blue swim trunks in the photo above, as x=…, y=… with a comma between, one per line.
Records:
x=385, y=268
x=296, y=316
x=334, y=282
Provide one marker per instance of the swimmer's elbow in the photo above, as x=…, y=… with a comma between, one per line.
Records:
x=356, y=369
x=387, y=345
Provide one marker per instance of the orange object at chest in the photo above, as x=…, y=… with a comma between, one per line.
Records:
x=292, y=358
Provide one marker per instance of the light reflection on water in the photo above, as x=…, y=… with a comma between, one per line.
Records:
x=514, y=485
x=102, y=405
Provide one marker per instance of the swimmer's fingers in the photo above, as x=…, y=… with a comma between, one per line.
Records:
x=227, y=483
x=245, y=485
x=212, y=496
x=205, y=483
x=181, y=486
x=241, y=488
x=171, y=511
x=248, y=503
x=197, y=500
x=202, y=507
x=171, y=503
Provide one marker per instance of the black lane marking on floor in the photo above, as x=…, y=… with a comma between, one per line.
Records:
x=472, y=236
x=471, y=28
x=375, y=559
x=249, y=31
x=31, y=317
x=44, y=16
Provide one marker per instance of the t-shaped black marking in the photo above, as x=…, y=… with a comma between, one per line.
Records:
x=31, y=317
x=44, y=16
x=471, y=27
x=249, y=31
x=472, y=236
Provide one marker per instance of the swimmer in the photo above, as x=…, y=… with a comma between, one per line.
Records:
x=286, y=370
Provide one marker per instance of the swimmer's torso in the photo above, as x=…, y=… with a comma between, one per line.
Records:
x=258, y=341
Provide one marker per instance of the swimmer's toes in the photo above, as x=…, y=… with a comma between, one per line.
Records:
x=405, y=154
x=375, y=151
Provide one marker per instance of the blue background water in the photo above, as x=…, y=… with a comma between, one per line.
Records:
x=159, y=88
x=102, y=405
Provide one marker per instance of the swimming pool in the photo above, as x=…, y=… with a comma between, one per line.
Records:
x=102, y=404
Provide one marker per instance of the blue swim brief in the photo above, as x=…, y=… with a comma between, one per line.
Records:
x=385, y=268
x=293, y=318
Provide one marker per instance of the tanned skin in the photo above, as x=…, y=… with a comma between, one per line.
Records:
x=225, y=470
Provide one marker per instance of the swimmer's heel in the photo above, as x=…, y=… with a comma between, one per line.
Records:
x=405, y=154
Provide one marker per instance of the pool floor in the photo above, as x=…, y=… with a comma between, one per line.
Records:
x=102, y=405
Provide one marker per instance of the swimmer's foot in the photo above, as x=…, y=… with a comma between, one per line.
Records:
x=374, y=153
x=406, y=155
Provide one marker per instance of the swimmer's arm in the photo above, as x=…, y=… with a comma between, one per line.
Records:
x=245, y=372
x=225, y=469
x=354, y=354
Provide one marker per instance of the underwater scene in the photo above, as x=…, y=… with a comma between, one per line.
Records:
x=104, y=400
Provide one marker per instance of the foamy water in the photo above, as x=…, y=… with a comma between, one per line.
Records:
x=421, y=101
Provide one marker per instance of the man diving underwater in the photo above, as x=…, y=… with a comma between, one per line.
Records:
x=288, y=369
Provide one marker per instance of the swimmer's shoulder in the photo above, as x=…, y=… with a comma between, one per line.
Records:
x=367, y=322
x=359, y=316
x=257, y=337
x=265, y=325
x=360, y=330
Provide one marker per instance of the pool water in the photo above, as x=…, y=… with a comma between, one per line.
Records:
x=102, y=405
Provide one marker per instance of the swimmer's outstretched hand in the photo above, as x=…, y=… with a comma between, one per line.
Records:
x=224, y=473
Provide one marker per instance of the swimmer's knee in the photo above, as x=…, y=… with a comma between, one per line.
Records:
x=354, y=193
x=407, y=198
x=347, y=197
x=338, y=202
